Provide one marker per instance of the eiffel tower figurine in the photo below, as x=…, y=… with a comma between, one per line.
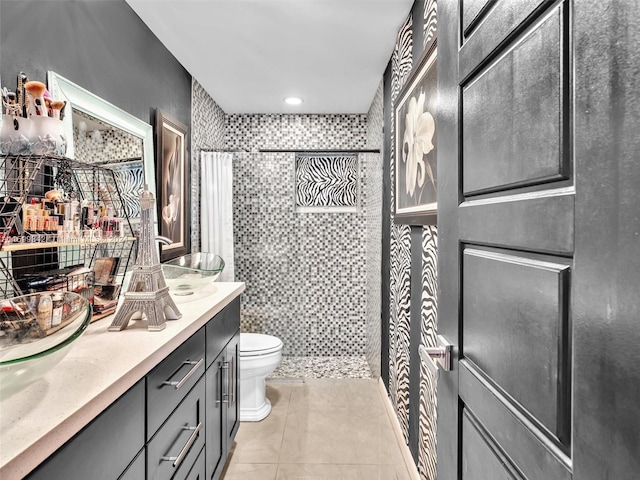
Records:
x=148, y=292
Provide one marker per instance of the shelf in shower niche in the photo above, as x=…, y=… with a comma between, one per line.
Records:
x=18, y=247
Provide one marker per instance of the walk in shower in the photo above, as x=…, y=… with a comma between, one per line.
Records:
x=312, y=275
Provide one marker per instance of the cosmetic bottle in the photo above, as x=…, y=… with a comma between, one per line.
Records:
x=45, y=307
x=84, y=214
x=56, y=311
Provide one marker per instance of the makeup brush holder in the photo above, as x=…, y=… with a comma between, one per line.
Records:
x=38, y=135
x=14, y=135
x=46, y=136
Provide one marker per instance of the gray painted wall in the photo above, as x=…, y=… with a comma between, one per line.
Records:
x=102, y=46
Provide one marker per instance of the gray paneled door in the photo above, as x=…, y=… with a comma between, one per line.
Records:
x=539, y=239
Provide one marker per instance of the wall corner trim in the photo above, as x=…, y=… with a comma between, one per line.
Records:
x=412, y=469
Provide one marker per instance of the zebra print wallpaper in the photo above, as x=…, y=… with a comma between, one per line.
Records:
x=401, y=391
x=129, y=177
x=326, y=180
x=428, y=335
x=400, y=258
x=430, y=22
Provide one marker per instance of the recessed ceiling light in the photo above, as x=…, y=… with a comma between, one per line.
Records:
x=293, y=100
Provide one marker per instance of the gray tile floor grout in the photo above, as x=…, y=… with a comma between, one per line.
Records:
x=319, y=429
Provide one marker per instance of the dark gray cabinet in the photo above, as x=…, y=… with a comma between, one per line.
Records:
x=103, y=449
x=198, y=470
x=137, y=469
x=174, y=448
x=168, y=383
x=222, y=382
x=231, y=415
x=176, y=423
x=223, y=412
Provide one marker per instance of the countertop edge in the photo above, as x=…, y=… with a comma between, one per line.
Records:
x=36, y=453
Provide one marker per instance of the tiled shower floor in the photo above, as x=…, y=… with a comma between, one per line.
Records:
x=322, y=367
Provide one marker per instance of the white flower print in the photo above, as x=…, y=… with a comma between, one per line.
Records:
x=420, y=127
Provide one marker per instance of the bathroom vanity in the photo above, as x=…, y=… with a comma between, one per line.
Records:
x=134, y=404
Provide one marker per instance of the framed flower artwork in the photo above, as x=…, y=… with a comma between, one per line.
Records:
x=172, y=167
x=416, y=169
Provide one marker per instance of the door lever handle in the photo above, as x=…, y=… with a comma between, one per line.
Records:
x=438, y=357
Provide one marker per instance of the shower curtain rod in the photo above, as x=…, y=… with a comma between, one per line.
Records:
x=224, y=150
x=305, y=150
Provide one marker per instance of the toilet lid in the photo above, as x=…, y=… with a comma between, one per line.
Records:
x=252, y=344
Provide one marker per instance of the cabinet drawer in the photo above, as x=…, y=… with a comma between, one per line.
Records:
x=197, y=471
x=174, y=449
x=105, y=447
x=169, y=382
x=221, y=328
x=136, y=469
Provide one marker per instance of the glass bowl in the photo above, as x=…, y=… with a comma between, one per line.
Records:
x=36, y=333
x=189, y=273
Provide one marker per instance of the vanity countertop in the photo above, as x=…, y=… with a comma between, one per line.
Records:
x=98, y=369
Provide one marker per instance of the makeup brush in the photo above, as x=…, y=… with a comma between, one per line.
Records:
x=9, y=102
x=56, y=108
x=22, y=101
x=14, y=109
x=35, y=92
x=47, y=102
x=62, y=110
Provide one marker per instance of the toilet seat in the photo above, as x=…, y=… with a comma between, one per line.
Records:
x=256, y=344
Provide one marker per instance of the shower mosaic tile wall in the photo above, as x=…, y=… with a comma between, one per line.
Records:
x=305, y=272
x=255, y=132
x=207, y=133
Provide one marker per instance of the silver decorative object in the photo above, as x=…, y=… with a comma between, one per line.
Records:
x=148, y=292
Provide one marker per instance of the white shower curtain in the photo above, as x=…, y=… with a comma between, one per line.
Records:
x=216, y=215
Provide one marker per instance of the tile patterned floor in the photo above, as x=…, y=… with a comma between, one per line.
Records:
x=319, y=429
x=323, y=367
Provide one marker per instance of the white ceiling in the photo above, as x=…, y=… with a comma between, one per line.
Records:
x=250, y=54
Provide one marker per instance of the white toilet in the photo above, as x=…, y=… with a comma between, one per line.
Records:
x=259, y=356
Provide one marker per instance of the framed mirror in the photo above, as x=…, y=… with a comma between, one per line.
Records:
x=99, y=132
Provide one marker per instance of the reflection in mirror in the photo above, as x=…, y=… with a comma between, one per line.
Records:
x=103, y=133
x=100, y=143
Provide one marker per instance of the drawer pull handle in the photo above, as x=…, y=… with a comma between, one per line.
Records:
x=183, y=453
x=231, y=377
x=225, y=395
x=184, y=379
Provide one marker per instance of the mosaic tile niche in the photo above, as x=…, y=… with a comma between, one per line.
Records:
x=305, y=272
